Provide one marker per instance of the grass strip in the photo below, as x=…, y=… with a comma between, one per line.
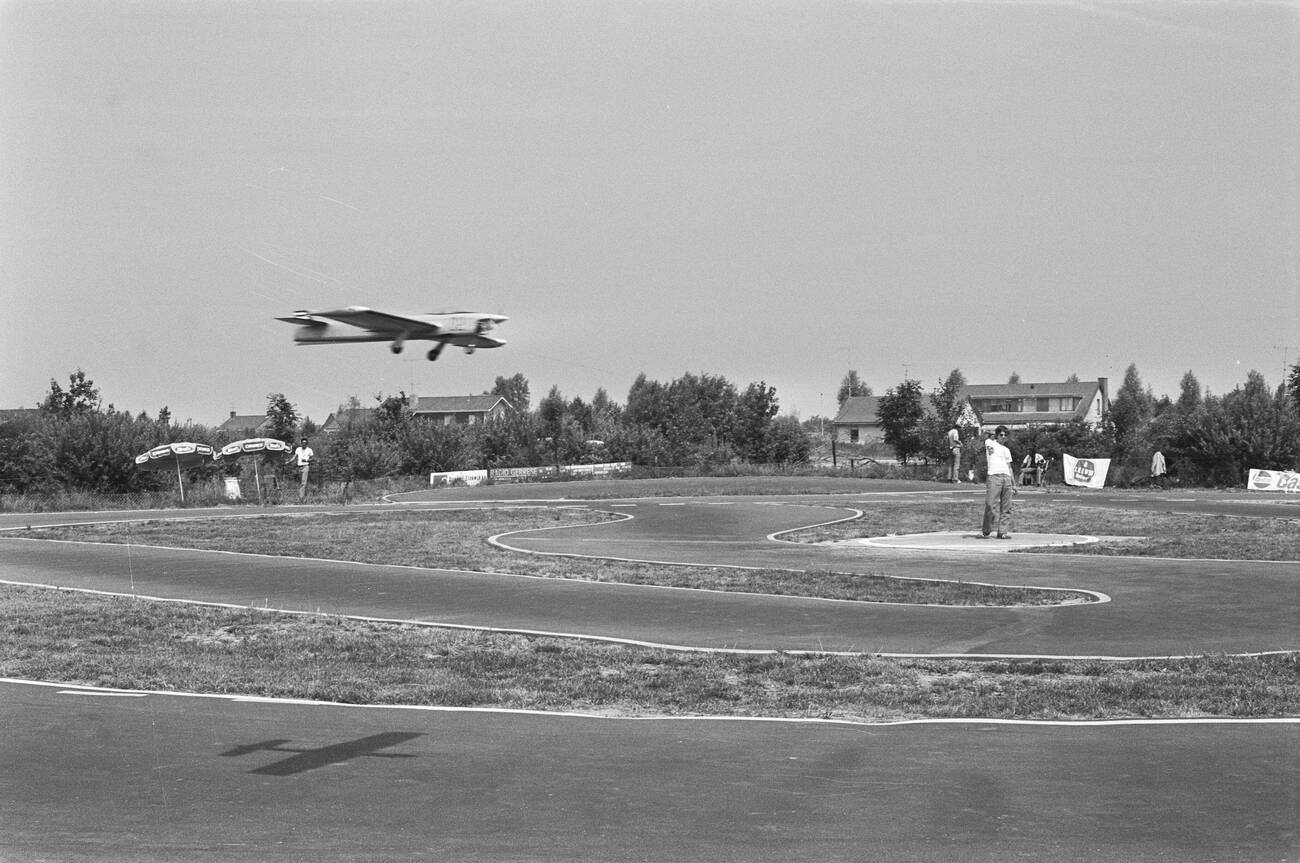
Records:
x=456, y=539
x=125, y=643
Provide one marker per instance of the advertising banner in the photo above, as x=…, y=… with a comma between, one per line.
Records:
x=523, y=474
x=1086, y=472
x=1273, y=480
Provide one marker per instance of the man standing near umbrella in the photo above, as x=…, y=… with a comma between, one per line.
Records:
x=302, y=456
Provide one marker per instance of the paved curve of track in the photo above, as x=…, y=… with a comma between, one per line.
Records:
x=146, y=778
x=1157, y=607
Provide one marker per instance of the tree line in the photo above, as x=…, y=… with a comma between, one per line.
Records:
x=72, y=442
x=1206, y=439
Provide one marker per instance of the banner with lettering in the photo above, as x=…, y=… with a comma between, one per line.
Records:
x=1273, y=480
x=1086, y=472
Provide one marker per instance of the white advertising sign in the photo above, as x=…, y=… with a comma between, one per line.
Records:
x=1086, y=472
x=1273, y=480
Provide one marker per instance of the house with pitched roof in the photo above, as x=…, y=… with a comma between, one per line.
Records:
x=439, y=410
x=1012, y=405
x=1021, y=405
x=460, y=410
x=245, y=425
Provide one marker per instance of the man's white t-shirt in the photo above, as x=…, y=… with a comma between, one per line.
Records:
x=303, y=455
x=999, y=457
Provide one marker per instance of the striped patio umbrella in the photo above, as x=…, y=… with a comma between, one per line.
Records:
x=178, y=455
x=254, y=446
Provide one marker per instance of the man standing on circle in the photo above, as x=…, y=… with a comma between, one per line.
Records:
x=302, y=456
x=1000, y=487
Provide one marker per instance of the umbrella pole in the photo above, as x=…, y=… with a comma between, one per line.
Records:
x=180, y=483
x=257, y=478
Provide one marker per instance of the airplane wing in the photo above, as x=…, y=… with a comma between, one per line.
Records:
x=303, y=319
x=383, y=322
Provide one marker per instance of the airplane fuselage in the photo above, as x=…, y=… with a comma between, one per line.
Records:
x=466, y=330
x=316, y=334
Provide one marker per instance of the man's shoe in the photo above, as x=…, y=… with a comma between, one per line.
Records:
x=983, y=536
x=1004, y=536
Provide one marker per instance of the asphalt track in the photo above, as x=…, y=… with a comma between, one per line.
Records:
x=89, y=775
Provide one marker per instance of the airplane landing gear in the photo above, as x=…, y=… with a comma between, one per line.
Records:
x=435, y=351
x=395, y=347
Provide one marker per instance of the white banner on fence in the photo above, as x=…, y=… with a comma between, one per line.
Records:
x=1087, y=472
x=1273, y=480
x=516, y=474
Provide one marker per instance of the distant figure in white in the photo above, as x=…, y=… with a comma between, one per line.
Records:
x=302, y=456
x=1158, y=470
x=954, y=447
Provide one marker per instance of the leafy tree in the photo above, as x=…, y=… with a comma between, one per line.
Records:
x=688, y=420
x=563, y=435
x=605, y=415
x=1293, y=383
x=1014, y=379
x=424, y=447
x=507, y=441
x=1132, y=408
x=282, y=417
x=900, y=413
x=647, y=403
x=80, y=397
x=947, y=398
x=513, y=389
x=393, y=415
x=787, y=442
x=582, y=415
x=1219, y=440
x=755, y=410
x=852, y=385
x=1189, y=393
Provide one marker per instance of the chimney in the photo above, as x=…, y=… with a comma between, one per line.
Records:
x=232, y=415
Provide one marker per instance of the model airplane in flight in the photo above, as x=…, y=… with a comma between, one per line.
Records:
x=468, y=330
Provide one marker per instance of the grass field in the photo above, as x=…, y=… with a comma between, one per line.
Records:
x=135, y=644
x=456, y=539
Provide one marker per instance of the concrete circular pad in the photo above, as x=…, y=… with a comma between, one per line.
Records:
x=969, y=541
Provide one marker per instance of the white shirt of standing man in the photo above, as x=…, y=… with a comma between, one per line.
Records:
x=999, y=457
x=303, y=454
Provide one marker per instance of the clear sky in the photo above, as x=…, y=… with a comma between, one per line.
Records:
x=776, y=191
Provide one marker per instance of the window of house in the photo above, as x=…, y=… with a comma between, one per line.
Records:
x=1043, y=405
x=853, y=435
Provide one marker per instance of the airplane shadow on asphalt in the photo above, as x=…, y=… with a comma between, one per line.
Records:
x=313, y=759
